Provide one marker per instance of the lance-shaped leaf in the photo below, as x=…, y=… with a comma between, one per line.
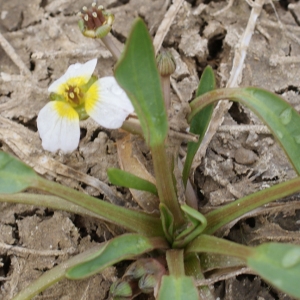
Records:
x=54, y=275
x=126, y=246
x=197, y=223
x=126, y=179
x=137, y=74
x=177, y=288
x=279, y=264
x=212, y=244
x=193, y=268
x=281, y=118
x=200, y=121
x=167, y=220
x=15, y=176
x=231, y=211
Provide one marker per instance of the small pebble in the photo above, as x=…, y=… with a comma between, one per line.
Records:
x=245, y=156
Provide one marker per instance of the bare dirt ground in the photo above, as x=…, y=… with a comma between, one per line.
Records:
x=242, y=157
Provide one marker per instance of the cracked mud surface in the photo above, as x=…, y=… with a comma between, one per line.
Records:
x=241, y=158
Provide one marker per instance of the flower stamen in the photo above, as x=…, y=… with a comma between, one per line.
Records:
x=74, y=95
x=95, y=22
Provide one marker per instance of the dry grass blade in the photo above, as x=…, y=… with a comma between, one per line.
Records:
x=10, y=51
x=166, y=24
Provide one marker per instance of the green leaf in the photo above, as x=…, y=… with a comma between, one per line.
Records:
x=177, y=288
x=126, y=179
x=52, y=276
x=132, y=220
x=200, y=121
x=231, y=211
x=196, y=225
x=211, y=244
x=122, y=247
x=167, y=220
x=281, y=118
x=15, y=176
x=211, y=261
x=279, y=264
x=193, y=268
x=137, y=74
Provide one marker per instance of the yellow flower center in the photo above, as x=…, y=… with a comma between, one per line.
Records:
x=80, y=93
x=73, y=94
x=64, y=110
x=72, y=91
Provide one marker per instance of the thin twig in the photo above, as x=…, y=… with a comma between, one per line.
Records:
x=213, y=280
x=10, y=51
x=258, y=129
x=276, y=59
x=36, y=252
x=166, y=24
x=72, y=53
x=224, y=9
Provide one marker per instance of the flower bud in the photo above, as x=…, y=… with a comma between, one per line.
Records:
x=166, y=63
x=143, y=266
x=95, y=22
x=147, y=283
x=135, y=270
x=120, y=290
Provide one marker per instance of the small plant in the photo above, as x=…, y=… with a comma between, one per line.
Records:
x=165, y=247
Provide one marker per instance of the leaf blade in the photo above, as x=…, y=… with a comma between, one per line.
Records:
x=137, y=74
x=15, y=176
x=279, y=264
x=126, y=179
x=200, y=122
x=122, y=247
x=281, y=118
x=177, y=288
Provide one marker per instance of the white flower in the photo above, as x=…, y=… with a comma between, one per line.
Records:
x=78, y=95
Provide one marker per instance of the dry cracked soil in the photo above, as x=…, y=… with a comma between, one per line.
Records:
x=242, y=156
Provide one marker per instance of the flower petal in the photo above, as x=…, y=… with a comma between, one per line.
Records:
x=107, y=103
x=58, y=126
x=77, y=70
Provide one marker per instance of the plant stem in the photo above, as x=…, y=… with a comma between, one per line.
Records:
x=134, y=221
x=212, y=244
x=133, y=126
x=165, y=84
x=231, y=211
x=210, y=97
x=175, y=263
x=164, y=182
x=111, y=46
